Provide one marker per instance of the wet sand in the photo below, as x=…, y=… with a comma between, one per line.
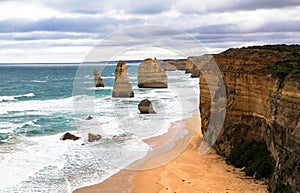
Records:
x=189, y=172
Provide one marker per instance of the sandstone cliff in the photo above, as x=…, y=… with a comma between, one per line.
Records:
x=263, y=103
x=97, y=78
x=122, y=86
x=152, y=75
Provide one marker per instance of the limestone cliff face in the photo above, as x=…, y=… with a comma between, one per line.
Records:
x=168, y=65
x=122, y=86
x=152, y=75
x=263, y=103
x=184, y=64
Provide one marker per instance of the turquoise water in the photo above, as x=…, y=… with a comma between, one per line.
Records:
x=37, y=108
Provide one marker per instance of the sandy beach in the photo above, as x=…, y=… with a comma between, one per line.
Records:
x=189, y=172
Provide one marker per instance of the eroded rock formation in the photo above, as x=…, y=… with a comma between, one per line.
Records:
x=152, y=75
x=168, y=65
x=93, y=137
x=122, y=86
x=263, y=103
x=69, y=136
x=145, y=107
x=98, y=80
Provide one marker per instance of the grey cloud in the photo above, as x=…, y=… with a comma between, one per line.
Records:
x=216, y=29
x=44, y=36
x=102, y=26
x=282, y=26
x=248, y=37
x=96, y=6
x=239, y=5
x=263, y=4
x=270, y=26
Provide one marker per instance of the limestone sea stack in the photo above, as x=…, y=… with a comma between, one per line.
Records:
x=145, y=107
x=122, y=87
x=152, y=75
x=98, y=79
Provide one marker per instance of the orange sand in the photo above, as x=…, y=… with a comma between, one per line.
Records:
x=187, y=173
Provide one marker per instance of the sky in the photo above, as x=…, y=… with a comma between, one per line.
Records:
x=68, y=31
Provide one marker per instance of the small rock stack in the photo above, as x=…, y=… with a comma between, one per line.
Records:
x=98, y=79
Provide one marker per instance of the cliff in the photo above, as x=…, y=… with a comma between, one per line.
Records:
x=122, y=86
x=263, y=104
x=152, y=75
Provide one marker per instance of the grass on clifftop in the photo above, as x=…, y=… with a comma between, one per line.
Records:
x=255, y=157
x=288, y=66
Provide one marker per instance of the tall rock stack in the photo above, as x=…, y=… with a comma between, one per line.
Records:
x=152, y=75
x=122, y=86
x=98, y=79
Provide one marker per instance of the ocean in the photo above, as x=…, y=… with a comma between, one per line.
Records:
x=41, y=102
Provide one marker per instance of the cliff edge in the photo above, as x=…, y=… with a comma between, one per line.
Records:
x=263, y=104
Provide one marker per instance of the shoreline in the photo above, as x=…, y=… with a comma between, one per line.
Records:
x=188, y=172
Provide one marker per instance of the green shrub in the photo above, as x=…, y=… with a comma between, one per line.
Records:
x=255, y=157
x=282, y=188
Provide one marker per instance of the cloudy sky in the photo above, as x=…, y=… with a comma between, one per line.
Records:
x=66, y=31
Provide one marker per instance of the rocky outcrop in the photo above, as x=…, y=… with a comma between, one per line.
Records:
x=152, y=75
x=198, y=61
x=263, y=103
x=167, y=65
x=69, y=136
x=122, y=86
x=145, y=107
x=183, y=64
x=93, y=137
x=97, y=78
x=89, y=118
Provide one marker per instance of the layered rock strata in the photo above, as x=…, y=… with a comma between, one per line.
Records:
x=97, y=78
x=152, y=75
x=263, y=103
x=122, y=87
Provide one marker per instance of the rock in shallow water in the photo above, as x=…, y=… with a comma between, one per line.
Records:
x=69, y=136
x=145, y=107
x=93, y=137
